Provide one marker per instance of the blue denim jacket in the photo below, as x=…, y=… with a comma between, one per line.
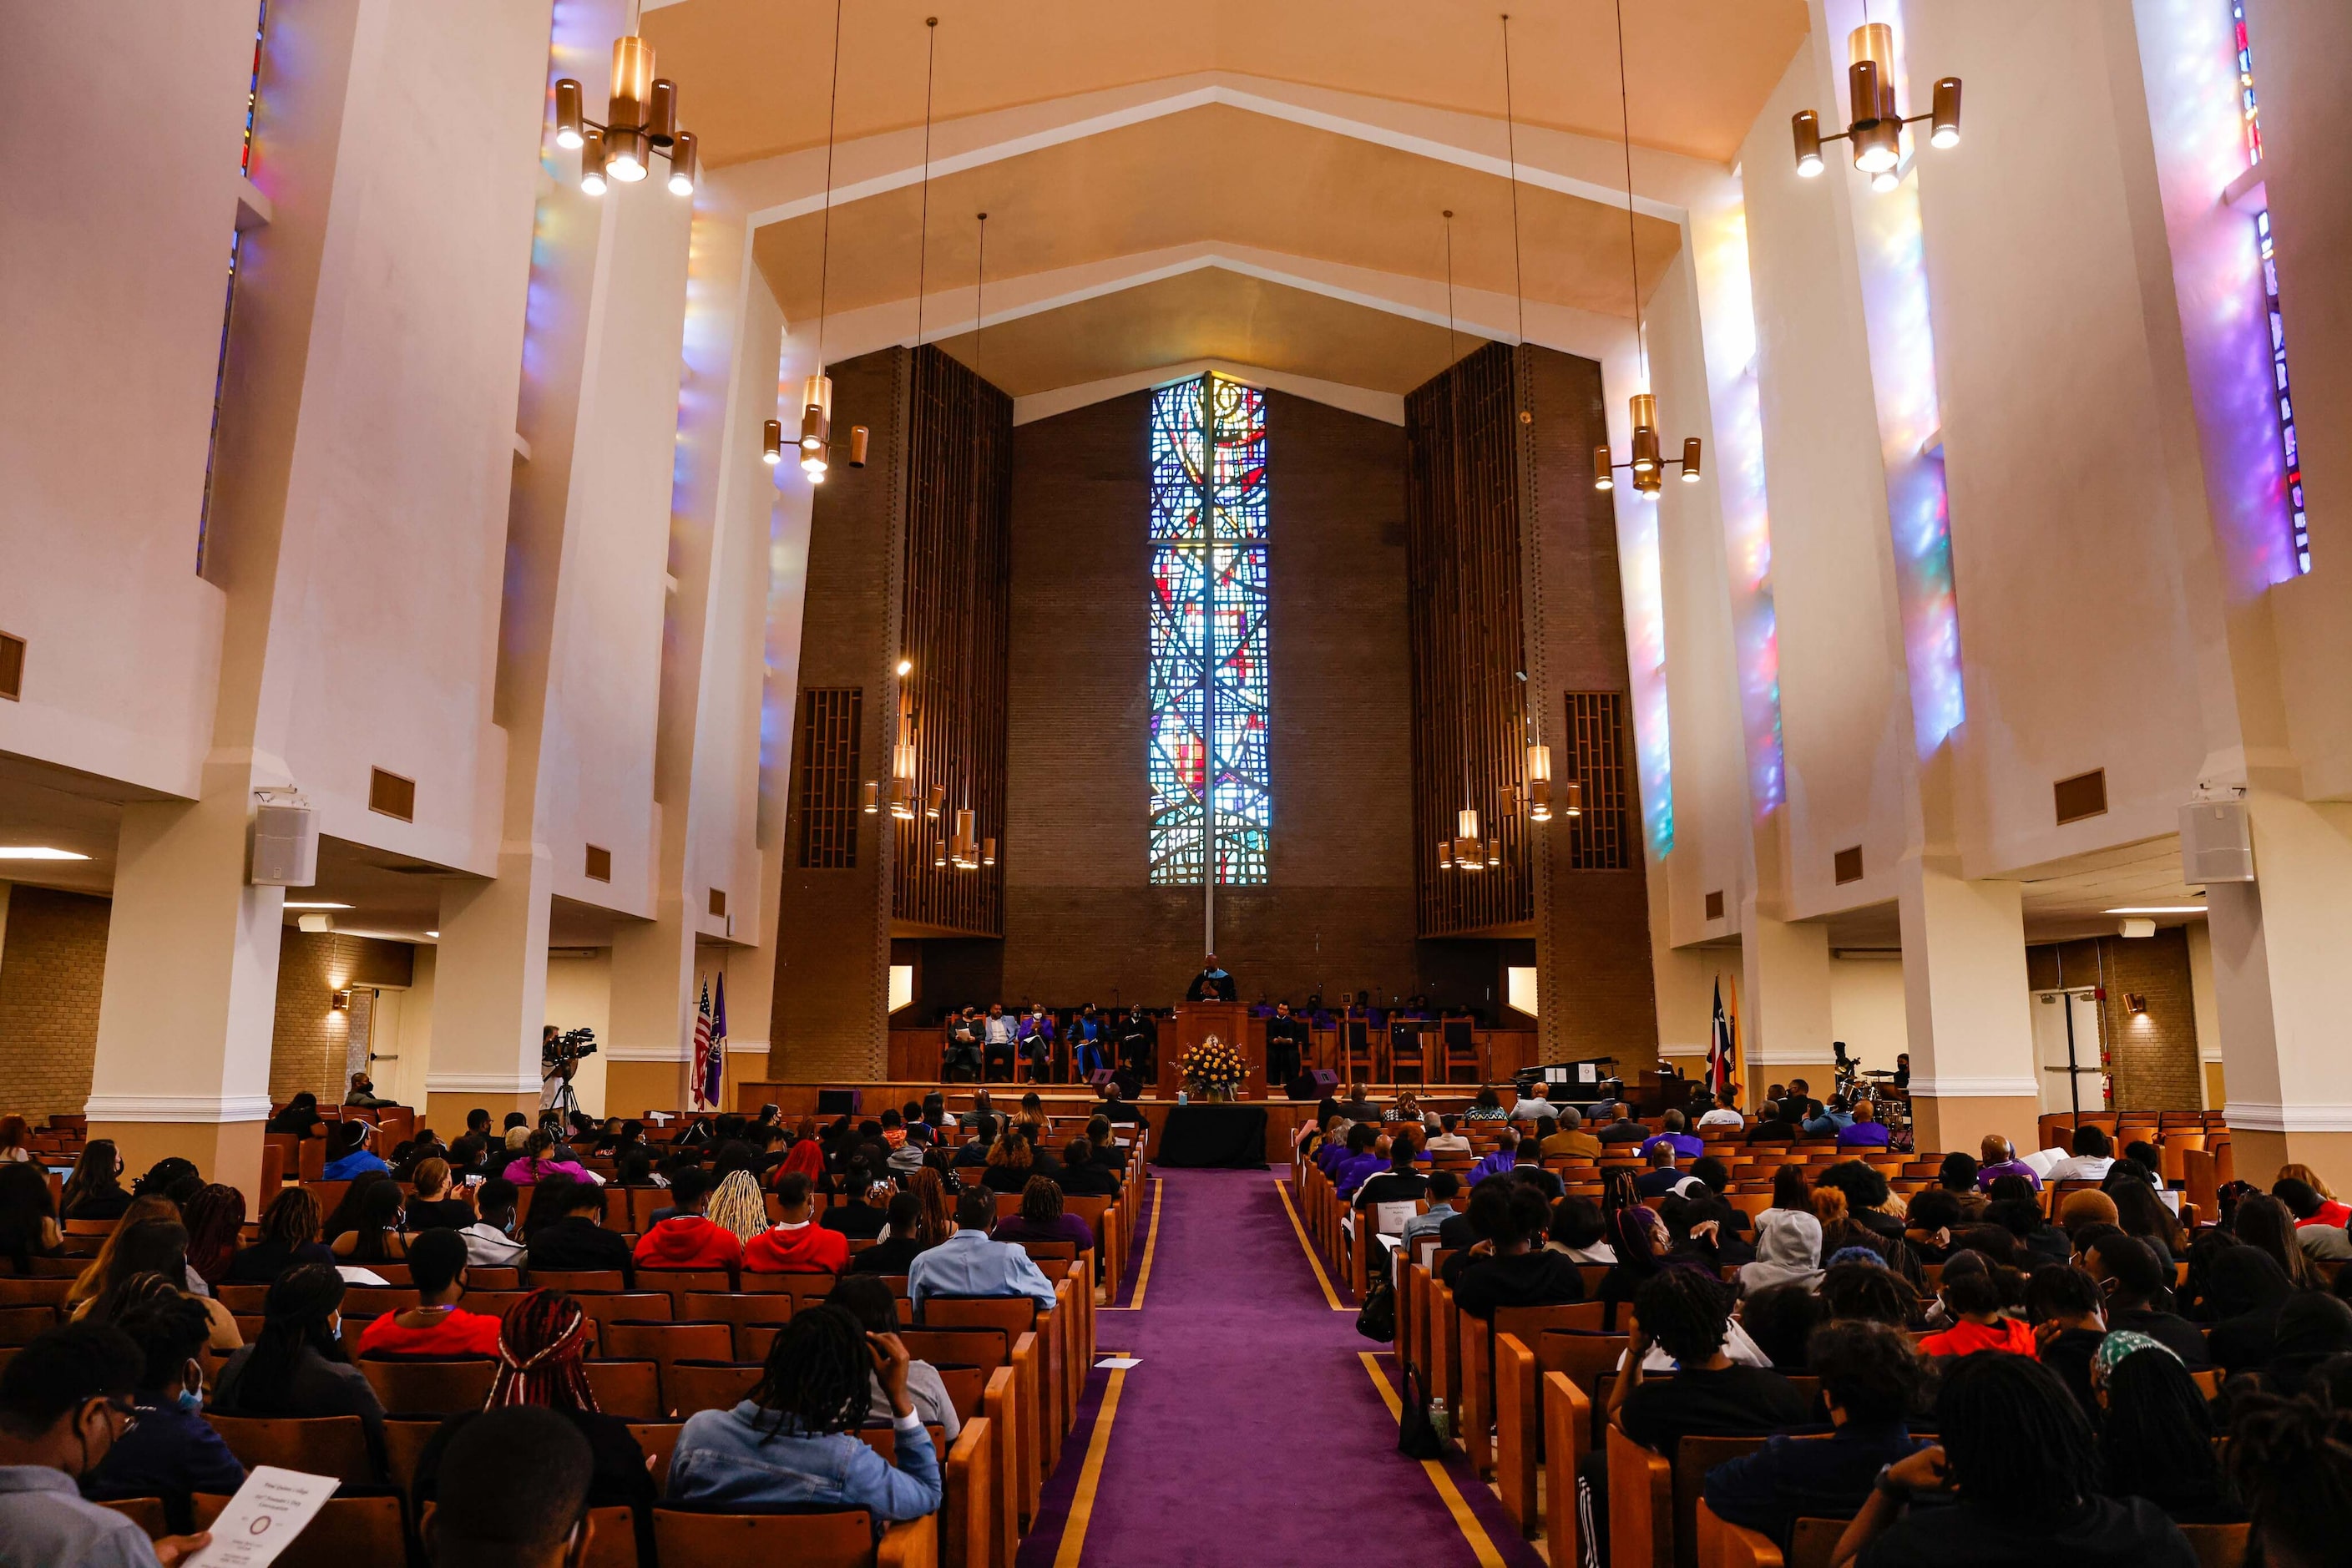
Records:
x=725, y=1459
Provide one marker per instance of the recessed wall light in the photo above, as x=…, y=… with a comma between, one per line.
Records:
x=2157, y=910
x=313, y=904
x=37, y=852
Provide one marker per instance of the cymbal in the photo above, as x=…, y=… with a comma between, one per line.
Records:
x=1878, y=1072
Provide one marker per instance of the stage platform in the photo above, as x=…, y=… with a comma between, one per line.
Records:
x=1283, y=1117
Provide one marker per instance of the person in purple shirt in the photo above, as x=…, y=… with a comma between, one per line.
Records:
x=1363, y=1166
x=1358, y=1143
x=2000, y=1160
x=1867, y=1130
x=1686, y=1145
x=1499, y=1163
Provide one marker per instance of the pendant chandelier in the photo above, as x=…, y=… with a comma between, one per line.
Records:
x=1648, y=465
x=1875, y=121
x=817, y=391
x=640, y=121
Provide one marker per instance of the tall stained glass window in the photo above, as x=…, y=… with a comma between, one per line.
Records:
x=1208, y=757
x=2298, y=523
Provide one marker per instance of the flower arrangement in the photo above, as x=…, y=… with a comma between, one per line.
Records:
x=1212, y=1070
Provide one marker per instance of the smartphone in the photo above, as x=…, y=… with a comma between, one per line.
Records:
x=474, y=1181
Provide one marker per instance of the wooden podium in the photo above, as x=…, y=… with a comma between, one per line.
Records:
x=1232, y=1024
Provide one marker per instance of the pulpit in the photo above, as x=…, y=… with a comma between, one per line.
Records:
x=1232, y=1024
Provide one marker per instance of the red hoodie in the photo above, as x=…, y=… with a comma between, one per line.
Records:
x=690, y=1241
x=797, y=1249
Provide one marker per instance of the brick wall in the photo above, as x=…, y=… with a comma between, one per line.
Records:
x=2152, y=1055
x=309, y=1039
x=1081, y=921
x=52, y=968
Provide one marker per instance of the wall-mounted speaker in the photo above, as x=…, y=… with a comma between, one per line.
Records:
x=2216, y=842
x=285, y=845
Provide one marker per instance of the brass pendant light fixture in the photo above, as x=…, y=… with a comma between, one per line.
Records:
x=1648, y=465
x=640, y=121
x=817, y=391
x=1467, y=850
x=1874, y=121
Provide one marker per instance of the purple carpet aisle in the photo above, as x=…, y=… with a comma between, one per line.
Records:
x=1253, y=1431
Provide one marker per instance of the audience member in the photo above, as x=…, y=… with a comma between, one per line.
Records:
x=895, y=1252
x=28, y=1217
x=2017, y=1457
x=348, y=1152
x=1402, y=1182
x=1787, y=1252
x=437, y=1325
x=2069, y=1315
x=491, y=1241
x=576, y=1239
x=736, y=1204
x=300, y=1118
x=289, y=1234
x=1579, y=1232
x=64, y=1400
x=2156, y=1432
x=1781, y=1319
x=1776, y=1122
x=2093, y=1153
x=94, y=1190
x=1871, y=1380
x=1624, y=1129
x=1865, y=1131
x=1508, y=1267
x=298, y=1367
x=155, y=1247
x=2138, y=1287
x=860, y=1219
x=2292, y=1462
x=1976, y=1297
x=1686, y=1145
x=1082, y=1176
x=1443, y=1187
x=794, y=1442
x=1687, y=1316
x=1042, y=1217
x=969, y=1264
x=2312, y=1329
x=1661, y=1178
x=1572, y=1140
x=1862, y=1289
x=169, y=1452
x=870, y=1301
x=2000, y=1160
x=795, y=1244
x=520, y=1483
x=2142, y=1213
x=1450, y=1139
x=436, y=1205
x=380, y=1236
x=689, y=1238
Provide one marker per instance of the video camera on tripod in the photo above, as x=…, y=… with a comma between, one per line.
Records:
x=573, y=1044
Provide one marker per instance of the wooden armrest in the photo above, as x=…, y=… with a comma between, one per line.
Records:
x=1516, y=1395
x=1722, y=1545
x=971, y=1484
x=913, y=1544
x=1640, y=1504
x=1568, y=1437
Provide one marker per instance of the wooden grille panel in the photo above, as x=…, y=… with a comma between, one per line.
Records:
x=955, y=613
x=1598, y=840
x=825, y=752
x=1462, y=562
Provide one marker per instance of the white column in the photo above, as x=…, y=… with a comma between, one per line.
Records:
x=1964, y=990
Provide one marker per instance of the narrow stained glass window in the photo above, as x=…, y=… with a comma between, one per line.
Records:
x=1207, y=765
x=2298, y=523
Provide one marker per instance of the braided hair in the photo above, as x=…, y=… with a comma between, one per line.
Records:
x=2155, y=1439
x=1688, y=1312
x=2291, y=1458
x=541, y=1345
x=935, y=1220
x=1870, y=1293
x=296, y=1315
x=819, y=1375
x=1041, y=1201
x=2015, y=1438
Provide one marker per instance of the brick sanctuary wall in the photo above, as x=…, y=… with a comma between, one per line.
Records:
x=1081, y=921
x=2152, y=1055
x=52, y=967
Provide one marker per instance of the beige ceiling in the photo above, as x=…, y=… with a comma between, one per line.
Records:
x=752, y=74
x=1223, y=174
x=1209, y=314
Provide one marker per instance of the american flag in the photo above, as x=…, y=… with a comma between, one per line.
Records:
x=702, y=1102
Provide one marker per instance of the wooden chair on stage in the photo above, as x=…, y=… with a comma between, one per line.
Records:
x=1459, y=1036
x=1411, y=1047
x=1357, y=1056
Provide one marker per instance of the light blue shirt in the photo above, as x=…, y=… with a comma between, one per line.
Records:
x=1828, y=1122
x=969, y=1264
x=1423, y=1224
x=43, y=1522
x=732, y=1459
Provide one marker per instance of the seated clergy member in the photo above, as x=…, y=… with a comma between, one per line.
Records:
x=1871, y=1380
x=792, y=1245
x=794, y=1441
x=2017, y=1460
x=64, y=1400
x=1688, y=1314
x=687, y=1240
x=969, y=1264
x=437, y=1325
x=578, y=1239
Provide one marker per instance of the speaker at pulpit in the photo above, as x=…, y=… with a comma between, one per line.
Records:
x=1232, y=1024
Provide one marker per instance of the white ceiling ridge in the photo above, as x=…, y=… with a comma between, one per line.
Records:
x=791, y=185
x=1477, y=313
x=1386, y=407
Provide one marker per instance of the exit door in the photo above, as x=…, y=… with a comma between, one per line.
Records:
x=2066, y=1051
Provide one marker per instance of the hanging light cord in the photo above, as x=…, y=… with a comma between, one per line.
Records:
x=1633, y=253
x=824, y=247
x=1511, y=135
x=923, y=246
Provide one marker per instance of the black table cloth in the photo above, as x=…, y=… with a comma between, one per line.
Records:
x=1227, y=1136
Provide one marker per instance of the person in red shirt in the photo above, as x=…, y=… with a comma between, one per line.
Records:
x=794, y=1245
x=437, y=1325
x=687, y=1239
x=1978, y=1298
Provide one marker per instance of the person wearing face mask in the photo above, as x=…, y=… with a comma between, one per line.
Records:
x=172, y=1452
x=489, y=1240
x=297, y=1366
x=64, y=1400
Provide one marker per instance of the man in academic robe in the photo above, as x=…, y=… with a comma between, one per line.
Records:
x=1138, y=1040
x=1285, y=1045
x=1211, y=984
